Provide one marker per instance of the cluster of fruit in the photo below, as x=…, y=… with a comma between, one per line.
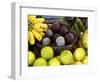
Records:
x=65, y=58
x=56, y=41
x=36, y=29
x=58, y=35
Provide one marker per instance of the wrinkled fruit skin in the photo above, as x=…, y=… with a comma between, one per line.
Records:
x=79, y=54
x=40, y=62
x=47, y=52
x=46, y=41
x=84, y=39
x=66, y=57
x=31, y=58
x=60, y=41
x=53, y=62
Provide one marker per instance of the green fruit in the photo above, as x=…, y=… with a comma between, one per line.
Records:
x=79, y=54
x=85, y=60
x=66, y=57
x=80, y=24
x=54, y=62
x=31, y=58
x=47, y=52
x=40, y=62
x=58, y=57
x=78, y=62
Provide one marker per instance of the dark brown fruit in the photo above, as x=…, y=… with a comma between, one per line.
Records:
x=63, y=30
x=55, y=27
x=69, y=38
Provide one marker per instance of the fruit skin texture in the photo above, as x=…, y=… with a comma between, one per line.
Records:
x=78, y=62
x=40, y=27
x=31, y=18
x=69, y=38
x=55, y=27
x=42, y=34
x=54, y=62
x=63, y=30
x=40, y=62
x=47, y=52
x=46, y=41
x=84, y=39
x=37, y=35
x=79, y=54
x=31, y=58
x=85, y=60
x=80, y=24
x=60, y=41
x=31, y=38
x=37, y=27
x=66, y=57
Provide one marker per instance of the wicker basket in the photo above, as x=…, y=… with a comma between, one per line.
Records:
x=69, y=47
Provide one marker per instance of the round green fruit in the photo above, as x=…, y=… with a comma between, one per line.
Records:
x=66, y=57
x=79, y=54
x=47, y=52
x=78, y=62
x=54, y=62
x=58, y=57
x=31, y=58
x=85, y=60
x=40, y=62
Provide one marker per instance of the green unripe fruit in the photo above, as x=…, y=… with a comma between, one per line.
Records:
x=66, y=57
x=78, y=62
x=85, y=60
x=40, y=62
x=58, y=57
x=47, y=52
x=31, y=58
x=53, y=62
x=79, y=54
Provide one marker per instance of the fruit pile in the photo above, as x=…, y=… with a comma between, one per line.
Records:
x=54, y=40
x=36, y=29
